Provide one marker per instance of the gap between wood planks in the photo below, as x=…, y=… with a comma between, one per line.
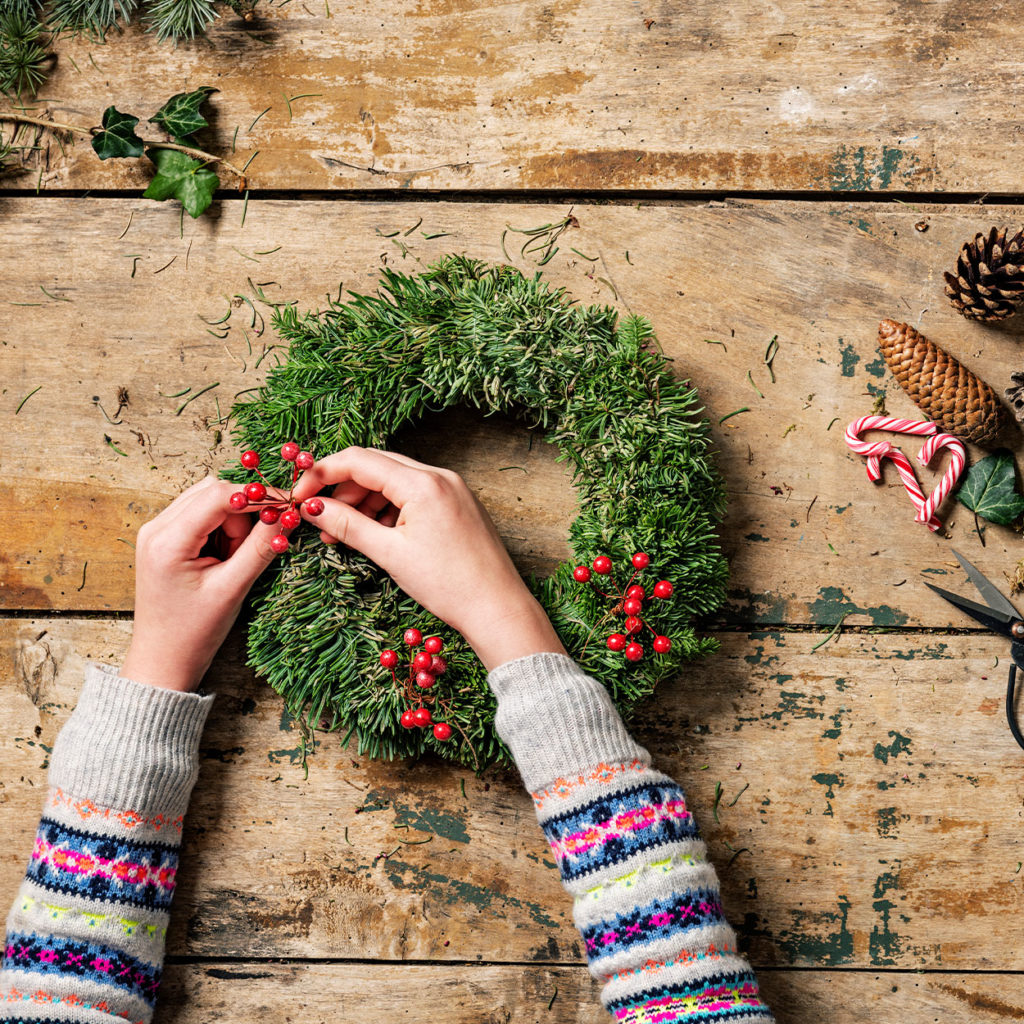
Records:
x=609, y=197
x=248, y=961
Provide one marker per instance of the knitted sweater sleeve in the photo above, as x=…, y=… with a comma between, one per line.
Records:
x=85, y=938
x=646, y=900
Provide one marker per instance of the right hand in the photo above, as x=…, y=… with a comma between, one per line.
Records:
x=424, y=527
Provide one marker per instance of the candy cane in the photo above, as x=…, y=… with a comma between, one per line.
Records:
x=895, y=426
x=958, y=459
x=878, y=450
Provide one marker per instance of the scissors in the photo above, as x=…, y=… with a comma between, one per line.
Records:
x=1001, y=617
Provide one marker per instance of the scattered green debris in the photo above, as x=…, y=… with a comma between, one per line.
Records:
x=836, y=629
x=21, y=404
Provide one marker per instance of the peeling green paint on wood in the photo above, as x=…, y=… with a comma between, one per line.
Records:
x=900, y=745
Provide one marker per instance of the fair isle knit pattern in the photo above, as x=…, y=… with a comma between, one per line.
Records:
x=85, y=938
x=646, y=900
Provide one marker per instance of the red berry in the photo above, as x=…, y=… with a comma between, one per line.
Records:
x=270, y=515
x=632, y=623
x=279, y=543
x=425, y=680
x=663, y=589
x=422, y=661
x=238, y=501
x=389, y=658
x=636, y=591
x=634, y=652
x=250, y=459
x=412, y=637
x=289, y=450
x=255, y=491
x=641, y=561
x=438, y=666
x=408, y=719
x=433, y=645
x=662, y=644
x=581, y=574
x=314, y=506
x=632, y=606
x=304, y=460
x=616, y=642
x=290, y=519
x=602, y=565
x=422, y=717
x=442, y=731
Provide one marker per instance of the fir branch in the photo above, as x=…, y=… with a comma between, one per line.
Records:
x=179, y=19
x=93, y=18
x=23, y=58
x=192, y=151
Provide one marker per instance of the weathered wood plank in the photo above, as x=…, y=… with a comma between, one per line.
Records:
x=459, y=94
x=343, y=993
x=808, y=536
x=868, y=817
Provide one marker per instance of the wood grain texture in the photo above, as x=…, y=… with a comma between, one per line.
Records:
x=577, y=94
x=869, y=812
x=346, y=993
x=808, y=537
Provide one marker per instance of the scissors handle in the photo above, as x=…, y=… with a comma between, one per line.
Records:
x=1011, y=712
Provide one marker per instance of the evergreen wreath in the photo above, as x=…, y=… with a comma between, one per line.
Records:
x=485, y=336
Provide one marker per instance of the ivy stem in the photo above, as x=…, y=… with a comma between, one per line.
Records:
x=196, y=154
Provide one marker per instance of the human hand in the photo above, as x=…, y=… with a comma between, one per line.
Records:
x=424, y=527
x=185, y=601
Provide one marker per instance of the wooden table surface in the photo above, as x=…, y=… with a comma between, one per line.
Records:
x=740, y=171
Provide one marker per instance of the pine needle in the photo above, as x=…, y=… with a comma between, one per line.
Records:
x=21, y=404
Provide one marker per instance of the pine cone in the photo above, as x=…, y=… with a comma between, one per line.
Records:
x=1015, y=396
x=945, y=390
x=989, y=279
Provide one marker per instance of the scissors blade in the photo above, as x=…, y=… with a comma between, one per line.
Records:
x=994, y=598
x=997, y=621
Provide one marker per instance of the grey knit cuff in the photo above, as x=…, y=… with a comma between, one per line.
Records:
x=130, y=746
x=556, y=720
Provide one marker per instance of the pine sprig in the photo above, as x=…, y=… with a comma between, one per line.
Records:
x=180, y=19
x=23, y=58
x=465, y=333
x=93, y=18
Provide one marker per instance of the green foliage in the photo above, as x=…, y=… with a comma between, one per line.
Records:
x=23, y=58
x=93, y=18
x=180, y=116
x=487, y=337
x=180, y=19
x=180, y=177
x=118, y=138
x=989, y=489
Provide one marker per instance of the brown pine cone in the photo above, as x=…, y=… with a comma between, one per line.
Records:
x=1015, y=396
x=989, y=279
x=945, y=390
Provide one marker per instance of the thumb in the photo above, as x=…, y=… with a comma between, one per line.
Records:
x=352, y=528
x=251, y=557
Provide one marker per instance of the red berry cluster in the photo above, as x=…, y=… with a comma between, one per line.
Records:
x=274, y=505
x=424, y=668
x=631, y=603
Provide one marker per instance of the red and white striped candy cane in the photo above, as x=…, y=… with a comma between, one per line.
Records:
x=890, y=423
x=958, y=459
x=878, y=450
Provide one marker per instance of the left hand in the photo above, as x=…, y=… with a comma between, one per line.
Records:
x=186, y=602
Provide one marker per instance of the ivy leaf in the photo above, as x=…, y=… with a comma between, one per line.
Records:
x=118, y=138
x=989, y=490
x=180, y=177
x=180, y=116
